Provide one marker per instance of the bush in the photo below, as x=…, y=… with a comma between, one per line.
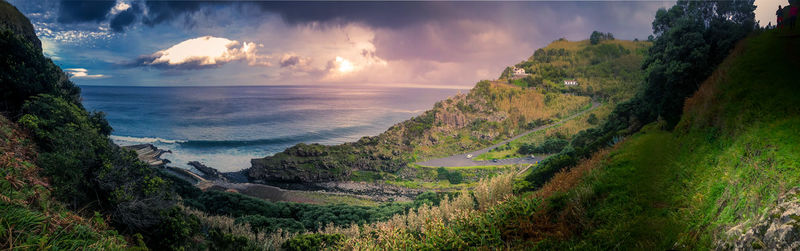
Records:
x=454, y=177
x=592, y=120
x=550, y=145
x=313, y=242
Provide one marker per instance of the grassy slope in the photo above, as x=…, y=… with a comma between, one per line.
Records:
x=735, y=151
x=29, y=216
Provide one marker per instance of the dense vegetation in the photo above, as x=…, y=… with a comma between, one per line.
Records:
x=691, y=39
x=30, y=218
x=658, y=172
x=694, y=184
x=57, y=159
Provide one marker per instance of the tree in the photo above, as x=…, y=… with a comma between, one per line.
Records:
x=594, y=38
x=592, y=120
x=692, y=37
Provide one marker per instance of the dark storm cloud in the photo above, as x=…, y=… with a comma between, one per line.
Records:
x=162, y=11
x=72, y=11
x=124, y=18
x=376, y=14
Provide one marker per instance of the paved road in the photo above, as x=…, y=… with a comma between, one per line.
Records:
x=462, y=160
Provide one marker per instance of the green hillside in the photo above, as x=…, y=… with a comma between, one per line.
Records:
x=732, y=155
x=642, y=180
x=492, y=111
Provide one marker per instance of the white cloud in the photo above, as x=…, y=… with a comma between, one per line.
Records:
x=207, y=51
x=82, y=73
x=120, y=7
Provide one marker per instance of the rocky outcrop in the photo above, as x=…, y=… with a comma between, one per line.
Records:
x=207, y=172
x=149, y=154
x=779, y=229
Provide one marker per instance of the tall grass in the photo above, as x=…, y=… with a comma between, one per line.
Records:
x=429, y=226
x=228, y=225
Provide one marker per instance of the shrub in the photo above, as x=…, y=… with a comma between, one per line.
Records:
x=592, y=120
x=313, y=242
x=454, y=177
x=550, y=145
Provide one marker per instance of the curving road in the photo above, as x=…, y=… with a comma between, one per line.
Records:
x=459, y=160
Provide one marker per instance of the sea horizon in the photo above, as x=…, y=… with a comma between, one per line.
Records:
x=225, y=127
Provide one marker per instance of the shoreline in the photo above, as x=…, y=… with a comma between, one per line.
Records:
x=208, y=178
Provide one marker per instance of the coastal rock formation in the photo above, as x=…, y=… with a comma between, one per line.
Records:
x=779, y=229
x=149, y=154
x=208, y=172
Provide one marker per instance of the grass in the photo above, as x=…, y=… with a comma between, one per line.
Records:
x=735, y=151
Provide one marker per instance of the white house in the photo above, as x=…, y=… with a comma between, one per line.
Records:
x=519, y=72
x=570, y=82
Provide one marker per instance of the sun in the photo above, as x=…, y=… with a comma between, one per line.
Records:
x=345, y=66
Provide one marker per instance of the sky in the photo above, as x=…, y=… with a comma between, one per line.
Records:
x=219, y=43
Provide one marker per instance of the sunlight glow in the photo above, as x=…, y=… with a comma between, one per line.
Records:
x=345, y=66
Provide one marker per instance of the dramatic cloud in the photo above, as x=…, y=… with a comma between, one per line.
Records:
x=318, y=42
x=204, y=52
x=82, y=73
x=83, y=11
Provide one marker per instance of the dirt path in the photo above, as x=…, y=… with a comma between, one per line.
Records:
x=460, y=160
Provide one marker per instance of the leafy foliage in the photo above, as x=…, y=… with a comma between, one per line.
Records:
x=596, y=37
x=550, y=145
x=692, y=38
x=27, y=73
x=29, y=216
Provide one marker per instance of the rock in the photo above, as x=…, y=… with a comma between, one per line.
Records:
x=149, y=154
x=208, y=172
x=779, y=229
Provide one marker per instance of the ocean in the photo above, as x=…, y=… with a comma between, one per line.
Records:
x=225, y=127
